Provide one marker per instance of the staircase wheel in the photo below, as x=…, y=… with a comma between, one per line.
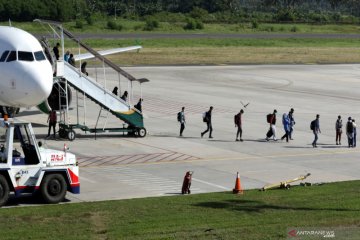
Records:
x=141, y=132
x=71, y=135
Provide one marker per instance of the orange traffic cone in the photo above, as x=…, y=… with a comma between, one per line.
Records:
x=238, y=189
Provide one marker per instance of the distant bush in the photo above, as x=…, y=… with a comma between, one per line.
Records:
x=199, y=14
x=254, y=24
x=79, y=24
x=114, y=26
x=111, y=25
x=151, y=24
x=192, y=24
x=90, y=20
x=285, y=16
x=294, y=29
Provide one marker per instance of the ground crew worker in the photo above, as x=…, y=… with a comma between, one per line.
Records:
x=350, y=132
x=238, y=124
x=52, y=120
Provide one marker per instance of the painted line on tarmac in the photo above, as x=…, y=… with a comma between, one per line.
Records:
x=210, y=184
x=198, y=159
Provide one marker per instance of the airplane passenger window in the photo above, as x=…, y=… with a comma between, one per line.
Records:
x=11, y=57
x=25, y=56
x=39, y=56
x=3, y=56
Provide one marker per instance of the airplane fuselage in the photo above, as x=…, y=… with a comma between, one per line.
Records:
x=26, y=76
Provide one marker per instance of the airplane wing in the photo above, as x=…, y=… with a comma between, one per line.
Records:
x=106, y=52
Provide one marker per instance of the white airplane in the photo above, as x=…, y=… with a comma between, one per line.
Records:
x=26, y=75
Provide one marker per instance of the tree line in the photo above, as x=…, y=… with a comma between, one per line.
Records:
x=206, y=10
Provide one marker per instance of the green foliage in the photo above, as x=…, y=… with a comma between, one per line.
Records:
x=294, y=29
x=79, y=24
x=192, y=24
x=254, y=24
x=151, y=24
x=285, y=15
x=111, y=24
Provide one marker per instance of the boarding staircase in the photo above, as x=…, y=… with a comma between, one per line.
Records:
x=91, y=89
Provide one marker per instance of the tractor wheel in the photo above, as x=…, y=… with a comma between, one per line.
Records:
x=53, y=188
x=4, y=190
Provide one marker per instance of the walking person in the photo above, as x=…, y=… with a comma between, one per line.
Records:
x=315, y=126
x=52, y=120
x=292, y=122
x=338, y=129
x=286, y=124
x=271, y=119
x=354, y=128
x=238, y=124
x=350, y=132
x=181, y=120
x=83, y=68
x=207, y=119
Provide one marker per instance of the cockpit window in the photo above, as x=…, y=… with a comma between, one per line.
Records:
x=3, y=56
x=12, y=56
x=25, y=56
x=39, y=56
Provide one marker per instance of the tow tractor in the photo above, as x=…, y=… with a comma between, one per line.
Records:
x=26, y=167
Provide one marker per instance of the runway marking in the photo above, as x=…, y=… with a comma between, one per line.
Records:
x=211, y=184
x=95, y=161
x=142, y=180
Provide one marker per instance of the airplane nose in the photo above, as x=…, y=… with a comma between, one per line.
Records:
x=41, y=79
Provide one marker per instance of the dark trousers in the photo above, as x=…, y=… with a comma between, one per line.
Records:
x=182, y=127
x=315, y=138
x=239, y=132
x=209, y=128
x=286, y=135
x=338, y=136
x=53, y=125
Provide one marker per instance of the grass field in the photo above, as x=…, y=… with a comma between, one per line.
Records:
x=162, y=51
x=254, y=215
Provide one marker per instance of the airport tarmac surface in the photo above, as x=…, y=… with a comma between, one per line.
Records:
x=119, y=167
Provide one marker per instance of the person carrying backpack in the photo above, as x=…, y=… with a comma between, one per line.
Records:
x=350, y=132
x=207, y=120
x=271, y=119
x=238, y=124
x=315, y=127
x=181, y=120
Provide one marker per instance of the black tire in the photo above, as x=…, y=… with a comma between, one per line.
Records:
x=141, y=132
x=4, y=191
x=62, y=133
x=53, y=188
x=71, y=135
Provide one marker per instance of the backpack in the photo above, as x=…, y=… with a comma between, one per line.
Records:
x=179, y=116
x=269, y=117
x=204, y=117
x=349, y=127
x=312, y=125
